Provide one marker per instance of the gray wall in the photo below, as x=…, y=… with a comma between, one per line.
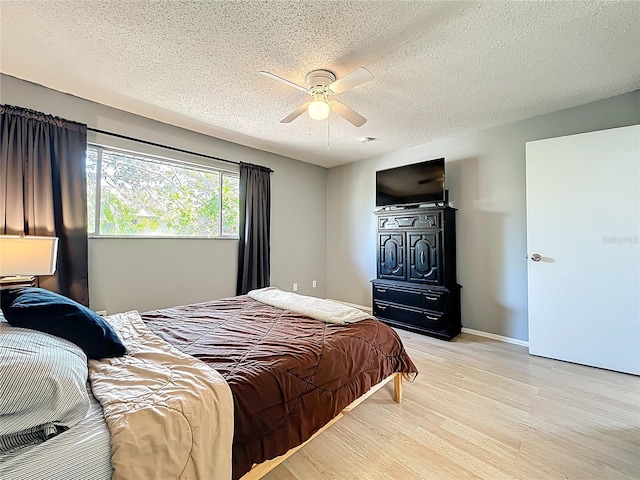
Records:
x=322, y=223
x=143, y=274
x=485, y=174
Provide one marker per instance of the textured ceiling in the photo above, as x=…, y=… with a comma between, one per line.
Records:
x=441, y=68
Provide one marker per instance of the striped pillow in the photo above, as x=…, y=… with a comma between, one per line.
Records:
x=42, y=386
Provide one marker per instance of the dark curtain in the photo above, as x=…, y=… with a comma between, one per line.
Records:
x=43, y=190
x=255, y=228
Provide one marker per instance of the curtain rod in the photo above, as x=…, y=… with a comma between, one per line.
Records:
x=172, y=148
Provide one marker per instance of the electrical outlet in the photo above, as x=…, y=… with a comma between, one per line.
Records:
x=314, y=284
x=102, y=313
x=295, y=287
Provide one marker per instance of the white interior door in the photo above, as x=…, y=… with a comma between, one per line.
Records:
x=583, y=219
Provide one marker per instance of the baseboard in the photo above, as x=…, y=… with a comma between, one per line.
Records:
x=493, y=336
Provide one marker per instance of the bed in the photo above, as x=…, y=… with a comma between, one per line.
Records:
x=289, y=375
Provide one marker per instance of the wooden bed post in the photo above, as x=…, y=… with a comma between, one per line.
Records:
x=397, y=388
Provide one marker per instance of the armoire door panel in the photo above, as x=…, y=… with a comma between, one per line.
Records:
x=391, y=261
x=424, y=258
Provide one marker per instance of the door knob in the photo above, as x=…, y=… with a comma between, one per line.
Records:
x=536, y=257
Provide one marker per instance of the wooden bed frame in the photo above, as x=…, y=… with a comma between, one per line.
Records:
x=260, y=470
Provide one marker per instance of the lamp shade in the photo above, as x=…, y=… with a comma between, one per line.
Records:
x=29, y=255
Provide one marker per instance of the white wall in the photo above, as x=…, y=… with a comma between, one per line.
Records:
x=485, y=174
x=153, y=273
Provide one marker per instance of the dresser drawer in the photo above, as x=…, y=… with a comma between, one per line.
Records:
x=405, y=297
x=380, y=293
x=434, y=320
x=402, y=314
x=427, y=299
x=435, y=301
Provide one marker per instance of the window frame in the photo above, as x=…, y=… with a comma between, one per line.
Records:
x=164, y=161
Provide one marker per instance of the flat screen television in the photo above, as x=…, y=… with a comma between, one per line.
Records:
x=411, y=184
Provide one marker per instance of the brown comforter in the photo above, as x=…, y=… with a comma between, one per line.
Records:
x=289, y=375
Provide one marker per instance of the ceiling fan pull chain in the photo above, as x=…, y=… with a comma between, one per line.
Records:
x=328, y=135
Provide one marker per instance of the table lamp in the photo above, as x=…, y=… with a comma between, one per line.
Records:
x=23, y=257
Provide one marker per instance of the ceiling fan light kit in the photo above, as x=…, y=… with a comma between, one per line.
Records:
x=321, y=84
x=319, y=109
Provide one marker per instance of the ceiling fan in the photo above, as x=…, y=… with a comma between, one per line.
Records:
x=321, y=85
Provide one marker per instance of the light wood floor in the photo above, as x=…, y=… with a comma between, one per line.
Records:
x=483, y=409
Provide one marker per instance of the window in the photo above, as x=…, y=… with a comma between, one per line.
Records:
x=138, y=195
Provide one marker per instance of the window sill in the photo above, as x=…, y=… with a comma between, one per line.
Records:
x=158, y=237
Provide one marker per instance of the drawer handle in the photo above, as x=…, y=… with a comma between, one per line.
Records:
x=380, y=307
x=433, y=299
x=381, y=290
x=429, y=317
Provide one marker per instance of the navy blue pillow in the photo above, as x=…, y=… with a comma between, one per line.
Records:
x=49, y=312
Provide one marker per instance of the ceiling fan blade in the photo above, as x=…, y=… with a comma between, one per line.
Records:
x=350, y=80
x=284, y=80
x=296, y=113
x=348, y=114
